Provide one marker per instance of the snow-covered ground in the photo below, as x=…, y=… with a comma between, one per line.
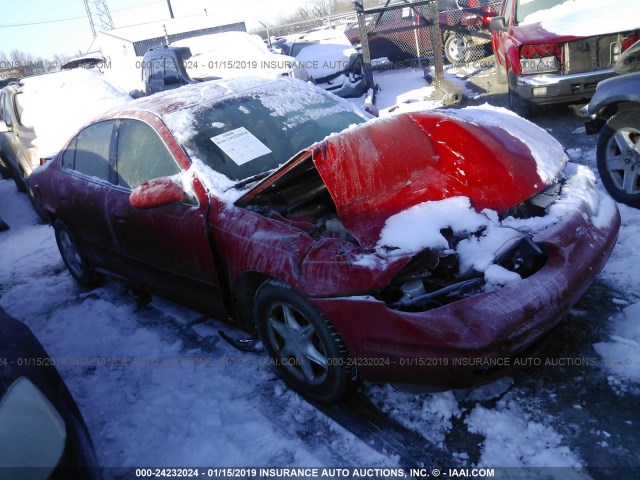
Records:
x=159, y=387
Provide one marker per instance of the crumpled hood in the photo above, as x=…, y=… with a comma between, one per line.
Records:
x=383, y=167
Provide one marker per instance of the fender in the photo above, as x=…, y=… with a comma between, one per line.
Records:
x=625, y=88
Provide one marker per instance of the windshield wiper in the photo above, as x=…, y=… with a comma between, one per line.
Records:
x=253, y=179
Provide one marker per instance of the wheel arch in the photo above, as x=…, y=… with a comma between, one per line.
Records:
x=243, y=294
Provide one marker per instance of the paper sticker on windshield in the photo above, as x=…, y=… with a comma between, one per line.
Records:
x=241, y=145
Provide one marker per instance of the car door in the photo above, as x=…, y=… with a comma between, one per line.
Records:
x=82, y=189
x=166, y=247
x=500, y=39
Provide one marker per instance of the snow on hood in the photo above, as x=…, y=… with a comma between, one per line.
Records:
x=381, y=168
x=57, y=105
x=332, y=54
x=585, y=18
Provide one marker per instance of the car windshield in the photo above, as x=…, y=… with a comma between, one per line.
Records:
x=250, y=133
x=524, y=8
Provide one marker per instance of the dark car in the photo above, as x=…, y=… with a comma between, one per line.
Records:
x=42, y=432
x=464, y=26
x=360, y=253
x=615, y=111
x=564, y=65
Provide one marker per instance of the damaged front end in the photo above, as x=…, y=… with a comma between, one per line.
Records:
x=434, y=278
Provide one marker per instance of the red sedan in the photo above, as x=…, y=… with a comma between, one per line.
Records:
x=426, y=248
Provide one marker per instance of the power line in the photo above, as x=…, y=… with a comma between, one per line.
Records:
x=70, y=18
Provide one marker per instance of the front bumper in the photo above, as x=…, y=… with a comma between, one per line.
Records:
x=548, y=89
x=468, y=342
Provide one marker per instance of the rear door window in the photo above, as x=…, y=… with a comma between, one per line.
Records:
x=92, y=150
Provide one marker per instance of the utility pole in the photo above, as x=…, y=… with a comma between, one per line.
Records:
x=99, y=15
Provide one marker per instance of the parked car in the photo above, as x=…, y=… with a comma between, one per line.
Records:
x=42, y=432
x=39, y=113
x=6, y=81
x=331, y=62
x=615, y=115
x=211, y=57
x=464, y=28
x=359, y=253
x=549, y=52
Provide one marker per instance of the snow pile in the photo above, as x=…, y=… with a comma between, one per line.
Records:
x=430, y=414
x=57, y=105
x=549, y=155
x=584, y=18
x=403, y=91
x=425, y=221
x=621, y=354
x=513, y=439
x=627, y=252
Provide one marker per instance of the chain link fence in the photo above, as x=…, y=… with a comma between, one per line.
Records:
x=399, y=35
x=403, y=34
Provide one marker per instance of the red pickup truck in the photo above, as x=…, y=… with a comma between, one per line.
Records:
x=555, y=51
x=401, y=33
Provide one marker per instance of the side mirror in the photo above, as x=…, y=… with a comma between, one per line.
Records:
x=157, y=193
x=3, y=127
x=497, y=24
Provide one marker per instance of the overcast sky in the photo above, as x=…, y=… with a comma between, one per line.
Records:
x=45, y=27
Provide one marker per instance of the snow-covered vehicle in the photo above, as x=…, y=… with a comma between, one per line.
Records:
x=38, y=114
x=211, y=57
x=331, y=61
x=390, y=251
x=615, y=112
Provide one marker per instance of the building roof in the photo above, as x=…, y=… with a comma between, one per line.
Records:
x=145, y=31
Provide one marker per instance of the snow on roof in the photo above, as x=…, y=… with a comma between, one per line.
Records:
x=145, y=31
x=58, y=105
x=584, y=18
x=232, y=54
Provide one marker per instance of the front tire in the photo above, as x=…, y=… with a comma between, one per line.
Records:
x=517, y=104
x=306, y=349
x=72, y=256
x=618, y=155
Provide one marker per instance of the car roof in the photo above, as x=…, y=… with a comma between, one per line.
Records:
x=193, y=95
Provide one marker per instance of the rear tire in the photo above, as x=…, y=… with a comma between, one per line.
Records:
x=306, y=349
x=72, y=256
x=37, y=207
x=618, y=155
